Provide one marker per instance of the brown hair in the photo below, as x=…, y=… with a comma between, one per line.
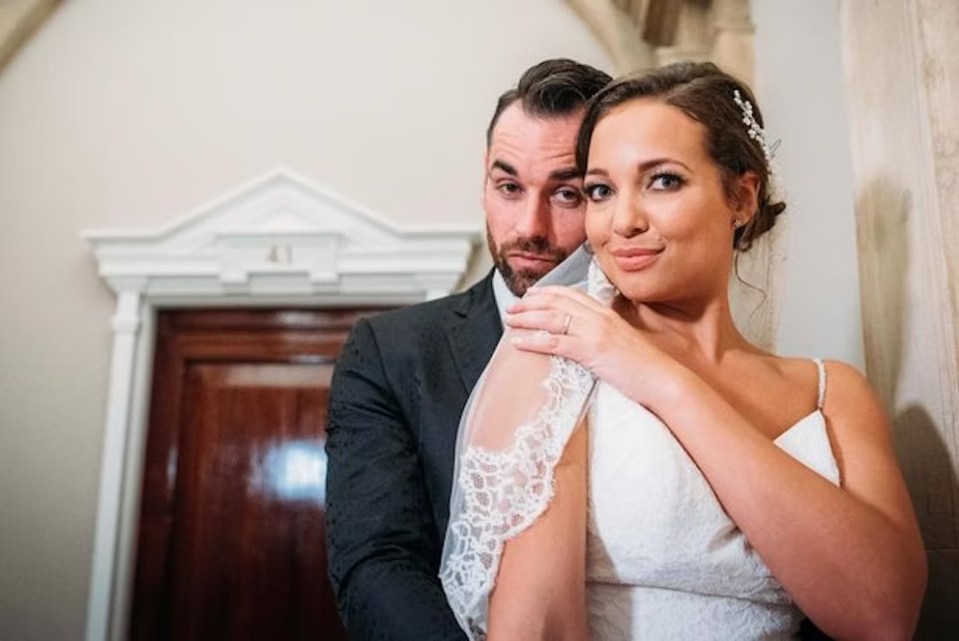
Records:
x=556, y=87
x=704, y=93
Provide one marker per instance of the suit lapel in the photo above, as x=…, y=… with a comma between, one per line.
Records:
x=474, y=330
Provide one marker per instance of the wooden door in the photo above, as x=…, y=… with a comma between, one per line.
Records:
x=231, y=533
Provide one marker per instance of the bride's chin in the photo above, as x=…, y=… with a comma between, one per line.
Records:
x=640, y=296
x=637, y=289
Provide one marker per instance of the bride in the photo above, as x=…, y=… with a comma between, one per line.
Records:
x=629, y=466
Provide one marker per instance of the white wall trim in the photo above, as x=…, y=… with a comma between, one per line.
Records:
x=278, y=240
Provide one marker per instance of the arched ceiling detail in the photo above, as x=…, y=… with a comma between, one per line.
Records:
x=639, y=34
x=20, y=19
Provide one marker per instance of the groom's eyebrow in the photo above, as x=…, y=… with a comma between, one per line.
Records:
x=564, y=174
x=559, y=175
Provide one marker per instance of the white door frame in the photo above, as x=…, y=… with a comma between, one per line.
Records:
x=278, y=241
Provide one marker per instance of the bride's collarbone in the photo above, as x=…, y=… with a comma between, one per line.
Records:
x=772, y=393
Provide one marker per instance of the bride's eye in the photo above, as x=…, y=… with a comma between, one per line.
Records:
x=597, y=192
x=666, y=181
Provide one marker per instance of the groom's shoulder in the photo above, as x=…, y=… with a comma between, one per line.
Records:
x=421, y=318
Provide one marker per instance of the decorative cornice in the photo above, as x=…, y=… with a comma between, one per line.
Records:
x=282, y=239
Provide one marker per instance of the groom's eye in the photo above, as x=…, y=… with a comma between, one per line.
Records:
x=509, y=189
x=568, y=196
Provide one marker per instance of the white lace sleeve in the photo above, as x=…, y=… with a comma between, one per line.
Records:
x=512, y=434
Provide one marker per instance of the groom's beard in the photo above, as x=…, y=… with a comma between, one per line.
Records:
x=518, y=273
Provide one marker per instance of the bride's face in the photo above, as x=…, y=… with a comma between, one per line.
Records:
x=657, y=216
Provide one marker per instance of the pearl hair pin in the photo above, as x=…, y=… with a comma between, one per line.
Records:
x=756, y=132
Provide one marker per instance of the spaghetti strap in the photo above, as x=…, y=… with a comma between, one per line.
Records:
x=822, y=382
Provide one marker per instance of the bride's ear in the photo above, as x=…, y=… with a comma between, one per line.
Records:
x=745, y=201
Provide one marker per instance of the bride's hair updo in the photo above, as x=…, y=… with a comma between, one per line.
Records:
x=708, y=95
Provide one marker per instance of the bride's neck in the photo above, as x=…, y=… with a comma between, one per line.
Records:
x=687, y=330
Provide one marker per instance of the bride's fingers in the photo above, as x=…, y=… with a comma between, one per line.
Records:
x=550, y=320
x=556, y=320
x=556, y=296
x=556, y=304
x=545, y=343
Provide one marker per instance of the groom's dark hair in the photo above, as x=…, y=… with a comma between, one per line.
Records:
x=556, y=87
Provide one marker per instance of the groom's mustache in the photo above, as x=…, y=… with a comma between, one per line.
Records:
x=536, y=245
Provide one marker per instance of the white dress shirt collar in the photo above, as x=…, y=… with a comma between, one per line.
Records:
x=504, y=297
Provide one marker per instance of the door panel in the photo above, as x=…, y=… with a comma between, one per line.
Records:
x=231, y=542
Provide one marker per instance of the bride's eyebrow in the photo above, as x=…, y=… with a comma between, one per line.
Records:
x=645, y=166
x=642, y=167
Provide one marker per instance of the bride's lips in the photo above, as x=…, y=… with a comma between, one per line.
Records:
x=632, y=259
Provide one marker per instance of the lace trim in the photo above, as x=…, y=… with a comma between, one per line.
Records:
x=598, y=285
x=504, y=492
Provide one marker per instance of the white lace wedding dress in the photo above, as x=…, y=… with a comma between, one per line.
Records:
x=664, y=560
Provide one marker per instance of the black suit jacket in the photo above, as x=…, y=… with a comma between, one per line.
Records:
x=398, y=391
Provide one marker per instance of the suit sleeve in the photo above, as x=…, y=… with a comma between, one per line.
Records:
x=382, y=544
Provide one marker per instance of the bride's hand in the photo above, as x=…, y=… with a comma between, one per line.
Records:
x=565, y=322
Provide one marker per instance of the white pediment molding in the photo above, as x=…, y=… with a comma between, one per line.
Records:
x=278, y=240
x=281, y=238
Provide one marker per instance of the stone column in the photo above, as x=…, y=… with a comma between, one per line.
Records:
x=901, y=64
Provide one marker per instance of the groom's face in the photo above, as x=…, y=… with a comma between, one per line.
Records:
x=533, y=195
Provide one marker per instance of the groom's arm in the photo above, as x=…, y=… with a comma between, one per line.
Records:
x=382, y=543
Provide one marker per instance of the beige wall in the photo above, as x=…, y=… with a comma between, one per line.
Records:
x=802, y=90
x=126, y=114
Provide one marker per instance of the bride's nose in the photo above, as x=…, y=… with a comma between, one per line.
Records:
x=629, y=219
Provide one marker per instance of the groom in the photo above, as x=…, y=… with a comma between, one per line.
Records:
x=403, y=378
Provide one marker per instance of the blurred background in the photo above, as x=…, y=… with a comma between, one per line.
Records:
x=137, y=136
